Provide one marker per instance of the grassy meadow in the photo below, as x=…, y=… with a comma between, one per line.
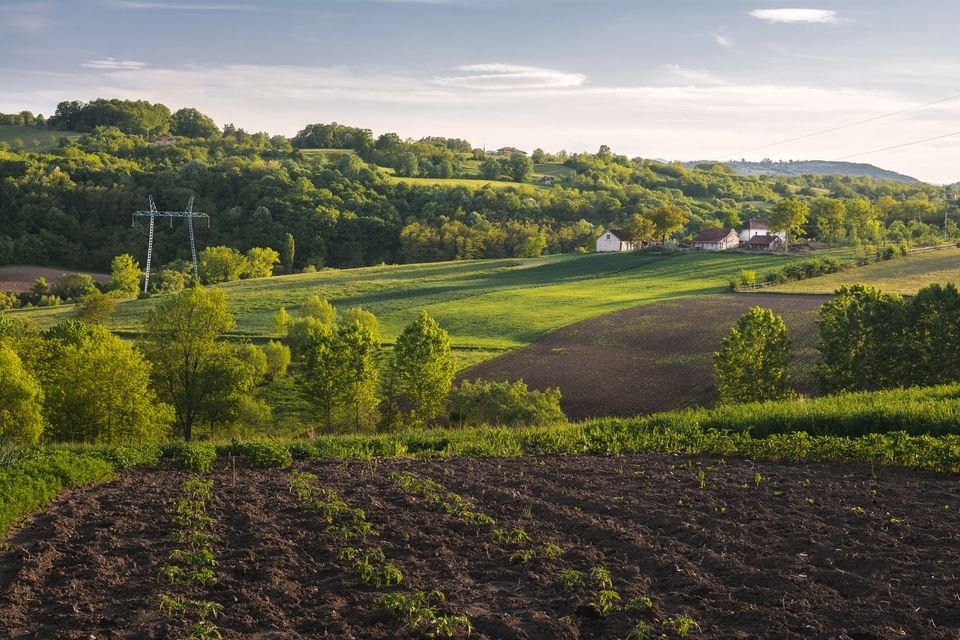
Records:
x=903, y=275
x=486, y=305
x=33, y=139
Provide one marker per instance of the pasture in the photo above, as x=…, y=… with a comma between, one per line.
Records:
x=903, y=275
x=484, y=304
x=33, y=139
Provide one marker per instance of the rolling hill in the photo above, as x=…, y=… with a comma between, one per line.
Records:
x=792, y=168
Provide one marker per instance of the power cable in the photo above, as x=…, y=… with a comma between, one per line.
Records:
x=899, y=146
x=843, y=126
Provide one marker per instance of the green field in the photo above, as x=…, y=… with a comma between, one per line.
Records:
x=33, y=139
x=903, y=275
x=553, y=170
x=485, y=304
x=475, y=183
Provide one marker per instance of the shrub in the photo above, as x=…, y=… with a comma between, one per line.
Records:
x=263, y=454
x=194, y=456
x=507, y=403
x=278, y=359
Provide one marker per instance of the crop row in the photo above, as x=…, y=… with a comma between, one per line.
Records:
x=605, y=599
x=349, y=527
x=190, y=568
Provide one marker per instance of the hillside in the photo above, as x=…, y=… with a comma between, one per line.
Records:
x=489, y=305
x=793, y=168
x=33, y=138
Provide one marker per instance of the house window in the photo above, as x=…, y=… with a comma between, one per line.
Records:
x=608, y=236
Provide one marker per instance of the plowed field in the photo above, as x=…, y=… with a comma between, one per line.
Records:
x=652, y=358
x=747, y=550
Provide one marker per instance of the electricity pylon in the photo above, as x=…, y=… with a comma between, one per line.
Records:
x=153, y=214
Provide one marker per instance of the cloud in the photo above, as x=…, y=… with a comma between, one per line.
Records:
x=821, y=16
x=114, y=64
x=182, y=6
x=723, y=40
x=699, y=77
x=505, y=77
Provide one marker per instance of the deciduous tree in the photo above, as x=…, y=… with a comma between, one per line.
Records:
x=753, y=363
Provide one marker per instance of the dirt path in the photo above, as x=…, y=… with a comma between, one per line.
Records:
x=798, y=551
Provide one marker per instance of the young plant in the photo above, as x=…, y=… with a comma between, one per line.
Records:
x=569, y=578
x=683, y=625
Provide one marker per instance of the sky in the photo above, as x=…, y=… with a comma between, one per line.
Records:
x=667, y=79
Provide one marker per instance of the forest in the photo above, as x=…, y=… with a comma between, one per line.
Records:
x=71, y=205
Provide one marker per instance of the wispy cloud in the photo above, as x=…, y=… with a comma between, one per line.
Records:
x=693, y=75
x=114, y=64
x=819, y=16
x=191, y=6
x=503, y=77
x=723, y=40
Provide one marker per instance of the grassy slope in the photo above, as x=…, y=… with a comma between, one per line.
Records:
x=47, y=137
x=900, y=275
x=486, y=304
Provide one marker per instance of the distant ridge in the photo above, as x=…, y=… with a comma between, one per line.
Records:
x=803, y=167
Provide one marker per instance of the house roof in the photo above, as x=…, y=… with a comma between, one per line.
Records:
x=713, y=235
x=756, y=223
x=763, y=240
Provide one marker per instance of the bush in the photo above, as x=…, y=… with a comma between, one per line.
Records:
x=263, y=454
x=506, y=403
x=194, y=456
x=278, y=359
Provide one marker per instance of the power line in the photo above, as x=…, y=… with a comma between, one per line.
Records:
x=843, y=126
x=898, y=146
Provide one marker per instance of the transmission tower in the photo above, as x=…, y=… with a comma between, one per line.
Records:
x=153, y=214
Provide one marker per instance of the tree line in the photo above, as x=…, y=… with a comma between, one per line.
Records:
x=869, y=340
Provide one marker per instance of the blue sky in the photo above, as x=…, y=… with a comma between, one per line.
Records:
x=677, y=79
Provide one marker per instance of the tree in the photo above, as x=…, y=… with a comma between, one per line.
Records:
x=98, y=390
x=74, y=286
x=490, y=169
x=260, y=261
x=933, y=336
x=421, y=373
x=753, y=363
x=193, y=124
x=830, y=215
x=288, y=252
x=181, y=344
x=254, y=357
x=364, y=317
x=97, y=308
x=358, y=372
x=319, y=383
x=124, y=275
x=861, y=339
x=862, y=220
x=278, y=359
x=788, y=216
x=538, y=155
x=667, y=218
x=641, y=226
x=281, y=321
x=221, y=264
x=319, y=308
x=21, y=400
x=521, y=167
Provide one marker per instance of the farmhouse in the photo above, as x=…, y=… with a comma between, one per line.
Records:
x=765, y=243
x=509, y=151
x=164, y=139
x=546, y=180
x=716, y=240
x=756, y=227
x=618, y=240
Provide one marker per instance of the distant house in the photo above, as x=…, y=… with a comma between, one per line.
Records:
x=716, y=240
x=619, y=240
x=509, y=151
x=164, y=139
x=546, y=180
x=765, y=243
x=756, y=227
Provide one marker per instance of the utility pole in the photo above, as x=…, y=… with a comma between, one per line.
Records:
x=153, y=214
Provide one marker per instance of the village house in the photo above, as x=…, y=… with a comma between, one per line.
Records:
x=756, y=227
x=164, y=139
x=546, y=181
x=509, y=151
x=619, y=240
x=716, y=240
x=765, y=243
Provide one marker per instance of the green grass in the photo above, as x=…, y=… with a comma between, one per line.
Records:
x=904, y=275
x=328, y=155
x=33, y=139
x=489, y=305
x=475, y=183
x=553, y=170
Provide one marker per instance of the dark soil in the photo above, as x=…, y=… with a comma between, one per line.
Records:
x=656, y=357
x=19, y=278
x=800, y=551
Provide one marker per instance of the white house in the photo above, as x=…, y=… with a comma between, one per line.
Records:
x=755, y=227
x=716, y=240
x=617, y=240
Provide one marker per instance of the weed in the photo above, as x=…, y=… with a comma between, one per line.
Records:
x=608, y=601
x=757, y=478
x=522, y=556
x=601, y=578
x=569, y=578
x=639, y=603
x=552, y=551
x=702, y=477
x=683, y=625
x=642, y=631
